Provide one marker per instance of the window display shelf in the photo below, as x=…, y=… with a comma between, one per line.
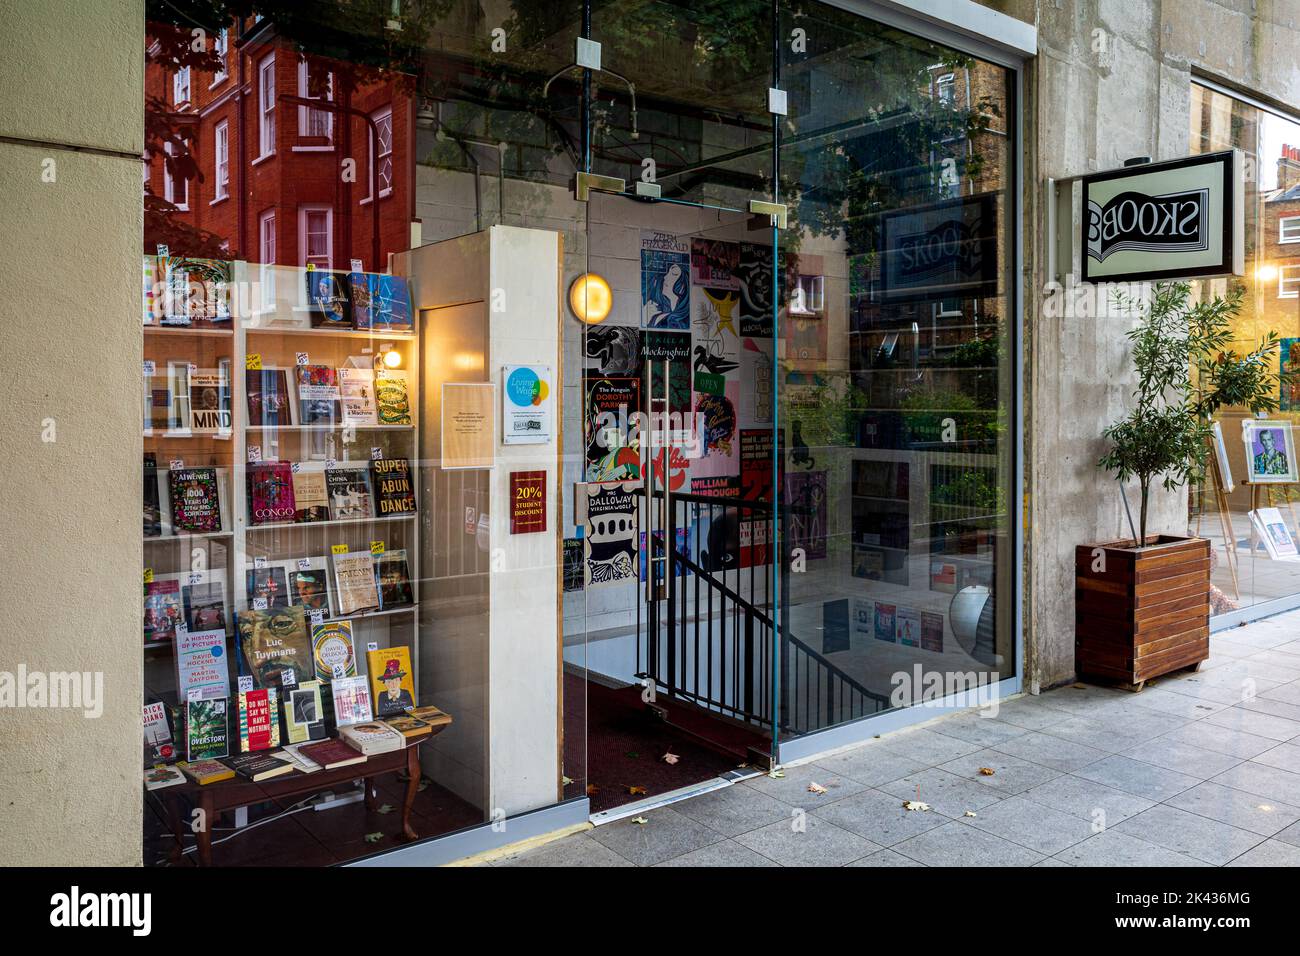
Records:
x=330, y=428
x=185, y=330
x=332, y=523
x=189, y=536
x=379, y=334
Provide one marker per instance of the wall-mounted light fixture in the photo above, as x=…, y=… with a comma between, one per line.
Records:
x=590, y=298
x=390, y=356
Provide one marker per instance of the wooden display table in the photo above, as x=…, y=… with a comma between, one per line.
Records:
x=213, y=798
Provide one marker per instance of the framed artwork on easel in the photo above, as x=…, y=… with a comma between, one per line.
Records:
x=1270, y=452
x=1221, y=456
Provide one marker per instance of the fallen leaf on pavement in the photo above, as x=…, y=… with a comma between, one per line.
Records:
x=915, y=805
x=670, y=758
x=640, y=821
x=636, y=791
x=987, y=771
x=816, y=788
x=374, y=837
x=969, y=813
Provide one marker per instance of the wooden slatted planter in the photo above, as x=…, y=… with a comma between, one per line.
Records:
x=1147, y=613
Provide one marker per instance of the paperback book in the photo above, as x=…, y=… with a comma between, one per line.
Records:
x=204, y=772
x=302, y=763
x=152, y=505
x=327, y=298
x=210, y=403
x=333, y=652
x=204, y=599
x=351, y=701
x=269, y=402
x=259, y=766
x=207, y=730
x=372, y=738
x=393, y=576
x=310, y=498
x=381, y=302
x=408, y=726
x=331, y=754
x=304, y=716
x=357, y=396
x=349, y=493
x=162, y=610
x=274, y=641
x=391, y=681
x=354, y=582
x=259, y=719
x=318, y=395
x=394, y=494
x=159, y=778
x=267, y=587
x=201, y=666
x=392, y=400
x=308, y=585
x=270, y=492
x=196, y=505
x=158, y=744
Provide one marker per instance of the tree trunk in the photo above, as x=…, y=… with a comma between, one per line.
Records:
x=1142, y=515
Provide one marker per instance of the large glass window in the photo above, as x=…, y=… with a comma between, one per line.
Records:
x=1250, y=516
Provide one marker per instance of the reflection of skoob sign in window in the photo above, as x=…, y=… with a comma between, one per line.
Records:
x=1176, y=222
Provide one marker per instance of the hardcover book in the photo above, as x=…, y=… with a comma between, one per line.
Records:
x=318, y=395
x=392, y=399
x=259, y=719
x=327, y=298
x=331, y=753
x=207, y=730
x=310, y=499
x=205, y=602
x=195, y=291
x=333, y=651
x=304, y=716
x=351, y=701
x=196, y=505
x=204, y=772
x=408, y=726
x=393, y=577
x=391, y=681
x=162, y=610
x=394, y=494
x=158, y=744
x=302, y=763
x=274, y=641
x=159, y=778
x=380, y=302
x=259, y=766
x=372, y=737
x=152, y=505
x=354, y=582
x=308, y=585
x=350, y=494
x=201, y=667
x=270, y=492
x=430, y=715
x=210, y=403
x=269, y=401
x=357, y=396
x=268, y=585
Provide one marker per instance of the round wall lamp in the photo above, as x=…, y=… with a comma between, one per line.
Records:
x=590, y=298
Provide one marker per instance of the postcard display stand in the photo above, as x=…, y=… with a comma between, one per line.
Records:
x=490, y=620
x=271, y=328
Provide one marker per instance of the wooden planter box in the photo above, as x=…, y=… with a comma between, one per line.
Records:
x=1147, y=613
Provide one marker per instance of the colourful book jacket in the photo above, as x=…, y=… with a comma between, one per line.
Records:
x=394, y=494
x=310, y=498
x=270, y=492
x=393, y=577
x=162, y=610
x=327, y=298
x=274, y=641
x=354, y=582
x=393, y=402
x=259, y=719
x=391, y=682
x=332, y=650
x=304, y=715
x=207, y=728
x=309, y=585
x=350, y=493
x=357, y=396
x=195, y=500
x=380, y=302
x=269, y=400
x=318, y=395
x=351, y=701
x=204, y=772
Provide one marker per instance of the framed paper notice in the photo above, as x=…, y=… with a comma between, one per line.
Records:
x=468, y=429
x=525, y=404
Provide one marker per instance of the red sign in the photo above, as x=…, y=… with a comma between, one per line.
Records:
x=527, y=502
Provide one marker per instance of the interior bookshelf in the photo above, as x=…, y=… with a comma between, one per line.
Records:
x=269, y=327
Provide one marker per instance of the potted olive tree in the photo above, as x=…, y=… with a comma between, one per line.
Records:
x=1142, y=605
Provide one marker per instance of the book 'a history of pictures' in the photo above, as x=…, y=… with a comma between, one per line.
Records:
x=195, y=500
x=318, y=395
x=392, y=398
x=269, y=400
x=351, y=701
x=304, y=716
x=207, y=728
x=350, y=493
x=201, y=665
x=270, y=492
x=391, y=681
x=273, y=641
x=259, y=719
x=310, y=497
x=357, y=396
x=354, y=582
x=393, y=576
x=333, y=652
x=328, y=300
x=394, y=494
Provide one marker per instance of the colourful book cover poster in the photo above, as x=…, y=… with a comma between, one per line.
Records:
x=270, y=492
x=201, y=665
x=610, y=555
x=665, y=281
x=714, y=262
x=613, y=350
x=805, y=501
x=885, y=614
x=196, y=507
x=392, y=684
x=259, y=719
x=612, y=437
x=907, y=626
x=393, y=578
x=932, y=632
x=380, y=302
x=719, y=445
x=207, y=728
x=267, y=587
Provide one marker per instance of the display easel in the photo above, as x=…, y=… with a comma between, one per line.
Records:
x=1225, y=520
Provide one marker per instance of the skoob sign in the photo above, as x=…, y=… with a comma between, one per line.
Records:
x=1174, y=220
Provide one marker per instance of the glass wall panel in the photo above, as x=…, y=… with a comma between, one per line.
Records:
x=1250, y=563
x=895, y=365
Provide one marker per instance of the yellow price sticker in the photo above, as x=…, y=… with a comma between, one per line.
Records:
x=148, y=575
x=376, y=547
x=339, y=548
x=253, y=361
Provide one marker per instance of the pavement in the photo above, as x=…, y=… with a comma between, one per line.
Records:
x=1198, y=769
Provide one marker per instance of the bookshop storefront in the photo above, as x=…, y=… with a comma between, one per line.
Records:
x=543, y=416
